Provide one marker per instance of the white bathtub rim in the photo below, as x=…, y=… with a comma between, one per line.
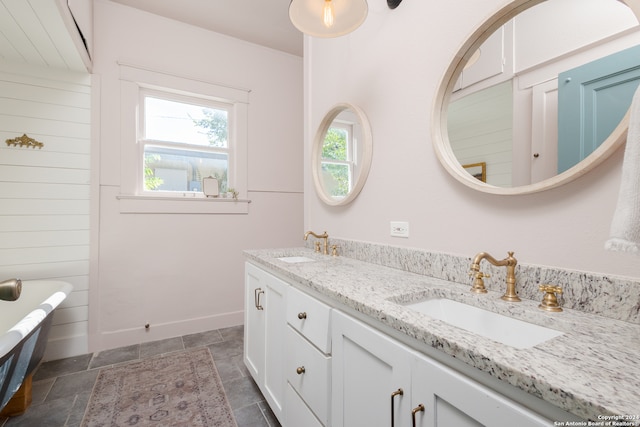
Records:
x=28, y=323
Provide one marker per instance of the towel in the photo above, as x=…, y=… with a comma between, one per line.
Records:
x=625, y=227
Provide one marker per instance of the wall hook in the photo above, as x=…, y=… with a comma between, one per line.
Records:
x=24, y=141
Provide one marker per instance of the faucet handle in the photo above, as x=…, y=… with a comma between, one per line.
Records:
x=550, y=288
x=550, y=300
x=478, y=274
x=317, y=245
x=478, y=283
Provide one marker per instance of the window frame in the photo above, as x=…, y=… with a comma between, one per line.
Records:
x=143, y=141
x=133, y=197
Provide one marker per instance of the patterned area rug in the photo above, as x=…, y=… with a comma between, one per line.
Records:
x=178, y=389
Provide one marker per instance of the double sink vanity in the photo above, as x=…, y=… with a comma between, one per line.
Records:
x=337, y=341
x=388, y=336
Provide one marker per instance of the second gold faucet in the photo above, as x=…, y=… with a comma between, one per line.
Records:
x=509, y=262
x=324, y=236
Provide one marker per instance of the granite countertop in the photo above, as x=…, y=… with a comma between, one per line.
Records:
x=592, y=370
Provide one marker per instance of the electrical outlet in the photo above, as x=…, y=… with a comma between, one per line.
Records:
x=399, y=229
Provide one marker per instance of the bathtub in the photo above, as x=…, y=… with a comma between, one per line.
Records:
x=24, y=325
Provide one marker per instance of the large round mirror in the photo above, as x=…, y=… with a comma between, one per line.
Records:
x=341, y=154
x=539, y=94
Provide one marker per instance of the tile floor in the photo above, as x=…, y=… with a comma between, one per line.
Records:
x=61, y=388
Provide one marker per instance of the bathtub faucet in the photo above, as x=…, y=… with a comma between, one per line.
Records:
x=10, y=289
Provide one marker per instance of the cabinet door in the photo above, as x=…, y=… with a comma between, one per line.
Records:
x=367, y=368
x=451, y=399
x=275, y=327
x=254, y=322
x=264, y=332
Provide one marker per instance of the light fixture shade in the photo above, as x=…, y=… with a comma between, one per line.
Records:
x=307, y=16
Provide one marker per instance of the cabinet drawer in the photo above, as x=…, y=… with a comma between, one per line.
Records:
x=307, y=370
x=310, y=317
x=297, y=413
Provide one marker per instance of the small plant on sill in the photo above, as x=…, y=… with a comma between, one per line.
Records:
x=233, y=192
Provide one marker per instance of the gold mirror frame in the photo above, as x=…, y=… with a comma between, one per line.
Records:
x=440, y=135
x=364, y=162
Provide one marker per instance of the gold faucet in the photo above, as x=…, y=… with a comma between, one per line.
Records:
x=324, y=236
x=510, y=262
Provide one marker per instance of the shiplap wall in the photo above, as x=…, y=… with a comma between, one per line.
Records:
x=481, y=130
x=44, y=193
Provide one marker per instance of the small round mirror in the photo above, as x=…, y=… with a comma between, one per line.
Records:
x=341, y=154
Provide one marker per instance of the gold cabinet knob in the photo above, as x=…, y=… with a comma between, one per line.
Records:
x=300, y=370
x=302, y=315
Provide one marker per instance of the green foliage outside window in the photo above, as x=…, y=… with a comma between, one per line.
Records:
x=335, y=144
x=336, y=174
x=151, y=182
x=215, y=125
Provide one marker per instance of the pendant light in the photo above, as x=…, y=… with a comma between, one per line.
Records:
x=327, y=18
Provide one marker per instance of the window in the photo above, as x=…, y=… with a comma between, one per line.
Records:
x=184, y=139
x=175, y=131
x=337, y=161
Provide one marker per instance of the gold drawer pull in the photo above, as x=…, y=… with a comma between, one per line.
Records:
x=419, y=408
x=300, y=370
x=398, y=392
x=256, y=297
x=302, y=315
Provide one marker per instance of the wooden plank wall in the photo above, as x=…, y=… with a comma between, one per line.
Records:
x=44, y=193
x=481, y=130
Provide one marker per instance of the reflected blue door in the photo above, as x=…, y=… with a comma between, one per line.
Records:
x=592, y=99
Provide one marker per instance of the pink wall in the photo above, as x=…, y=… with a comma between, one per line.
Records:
x=183, y=273
x=391, y=67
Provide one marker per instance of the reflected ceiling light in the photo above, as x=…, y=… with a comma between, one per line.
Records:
x=330, y=18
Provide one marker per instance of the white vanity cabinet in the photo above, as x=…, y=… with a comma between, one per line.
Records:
x=264, y=334
x=320, y=367
x=379, y=381
x=287, y=348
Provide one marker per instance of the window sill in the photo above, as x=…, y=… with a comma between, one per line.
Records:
x=181, y=205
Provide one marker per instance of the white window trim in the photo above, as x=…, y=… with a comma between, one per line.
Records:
x=133, y=198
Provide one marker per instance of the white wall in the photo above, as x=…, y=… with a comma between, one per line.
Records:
x=391, y=66
x=45, y=192
x=183, y=273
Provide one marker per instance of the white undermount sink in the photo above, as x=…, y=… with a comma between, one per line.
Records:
x=506, y=330
x=295, y=259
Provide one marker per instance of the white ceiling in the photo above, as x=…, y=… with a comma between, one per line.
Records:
x=264, y=22
x=35, y=32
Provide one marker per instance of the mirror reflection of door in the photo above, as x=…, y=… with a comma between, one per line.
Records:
x=592, y=99
x=504, y=107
